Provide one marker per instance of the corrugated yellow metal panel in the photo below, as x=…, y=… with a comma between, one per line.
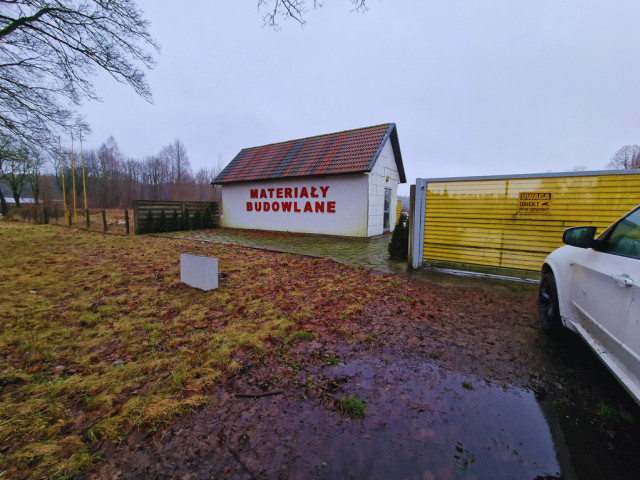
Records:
x=398, y=210
x=484, y=222
x=489, y=257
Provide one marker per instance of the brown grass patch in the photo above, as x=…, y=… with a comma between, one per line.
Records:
x=99, y=336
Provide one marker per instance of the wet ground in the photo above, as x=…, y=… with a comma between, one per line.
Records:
x=457, y=380
x=366, y=252
x=422, y=423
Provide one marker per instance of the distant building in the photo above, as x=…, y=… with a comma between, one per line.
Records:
x=23, y=200
x=341, y=183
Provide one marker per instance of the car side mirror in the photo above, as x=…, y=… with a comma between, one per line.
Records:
x=581, y=237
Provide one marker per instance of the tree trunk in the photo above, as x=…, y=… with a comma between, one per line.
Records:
x=35, y=187
x=16, y=197
x=5, y=208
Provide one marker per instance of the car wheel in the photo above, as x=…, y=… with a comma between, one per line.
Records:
x=548, y=307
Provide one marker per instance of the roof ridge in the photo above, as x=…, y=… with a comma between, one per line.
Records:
x=321, y=135
x=345, y=152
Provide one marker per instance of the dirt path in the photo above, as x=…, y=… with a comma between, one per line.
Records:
x=459, y=382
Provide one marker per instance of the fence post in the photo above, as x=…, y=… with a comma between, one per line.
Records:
x=136, y=221
x=418, y=223
x=411, y=221
x=86, y=214
x=126, y=220
x=45, y=212
x=104, y=220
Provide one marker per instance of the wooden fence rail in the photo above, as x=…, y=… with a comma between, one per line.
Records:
x=142, y=209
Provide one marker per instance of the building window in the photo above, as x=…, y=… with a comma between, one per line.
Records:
x=387, y=208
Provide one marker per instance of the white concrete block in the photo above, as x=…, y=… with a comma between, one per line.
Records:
x=199, y=272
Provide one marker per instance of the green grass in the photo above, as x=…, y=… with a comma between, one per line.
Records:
x=298, y=336
x=331, y=360
x=353, y=407
x=608, y=416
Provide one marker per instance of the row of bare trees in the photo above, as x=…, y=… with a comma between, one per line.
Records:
x=111, y=179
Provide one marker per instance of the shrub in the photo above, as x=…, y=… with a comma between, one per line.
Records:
x=196, y=220
x=162, y=223
x=207, y=219
x=149, y=225
x=184, y=220
x=399, y=244
x=174, y=223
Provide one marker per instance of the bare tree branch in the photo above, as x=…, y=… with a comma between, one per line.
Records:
x=625, y=158
x=49, y=51
x=274, y=10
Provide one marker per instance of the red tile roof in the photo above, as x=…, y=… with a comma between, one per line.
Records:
x=341, y=153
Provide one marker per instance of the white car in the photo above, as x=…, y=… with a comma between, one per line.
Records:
x=592, y=287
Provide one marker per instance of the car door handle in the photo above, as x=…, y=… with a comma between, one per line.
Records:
x=623, y=280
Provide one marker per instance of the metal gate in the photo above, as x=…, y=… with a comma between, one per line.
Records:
x=512, y=221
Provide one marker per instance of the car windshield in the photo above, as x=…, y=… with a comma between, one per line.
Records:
x=625, y=237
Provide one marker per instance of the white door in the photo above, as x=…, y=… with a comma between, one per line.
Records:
x=599, y=296
x=631, y=336
x=626, y=240
x=606, y=294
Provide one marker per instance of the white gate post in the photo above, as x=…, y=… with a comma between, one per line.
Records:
x=417, y=235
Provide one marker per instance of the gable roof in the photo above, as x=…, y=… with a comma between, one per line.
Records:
x=340, y=153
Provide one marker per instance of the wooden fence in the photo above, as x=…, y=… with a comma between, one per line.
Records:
x=145, y=209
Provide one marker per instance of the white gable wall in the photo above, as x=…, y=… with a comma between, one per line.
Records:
x=343, y=200
x=385, y=166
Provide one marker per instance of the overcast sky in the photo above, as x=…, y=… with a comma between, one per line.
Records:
x=476, y=87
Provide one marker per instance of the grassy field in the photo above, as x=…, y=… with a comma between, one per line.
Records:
x=99, y=336
x=115, y=220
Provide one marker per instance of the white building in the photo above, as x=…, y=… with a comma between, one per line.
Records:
x=341, y=183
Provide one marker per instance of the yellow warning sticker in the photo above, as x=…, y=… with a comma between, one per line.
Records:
x=534, y=202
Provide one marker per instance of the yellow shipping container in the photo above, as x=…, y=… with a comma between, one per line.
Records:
x=516, y=221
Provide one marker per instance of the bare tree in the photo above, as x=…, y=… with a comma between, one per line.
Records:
x=175, y=155
x=33, y=175
x=15, y=169
x=5, y=152
x=273, y=10
x=205, y=191
x=132, y=184
x=110, y=161
x=625, y=158
x=156, y=176
x=4, y=208
x=49, y=50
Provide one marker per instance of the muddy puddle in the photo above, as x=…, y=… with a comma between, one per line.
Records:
x=421, y=423
x=425, y=423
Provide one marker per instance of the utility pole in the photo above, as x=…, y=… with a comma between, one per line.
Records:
x=84, y=185
x=73, y=171
x=64, y=193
